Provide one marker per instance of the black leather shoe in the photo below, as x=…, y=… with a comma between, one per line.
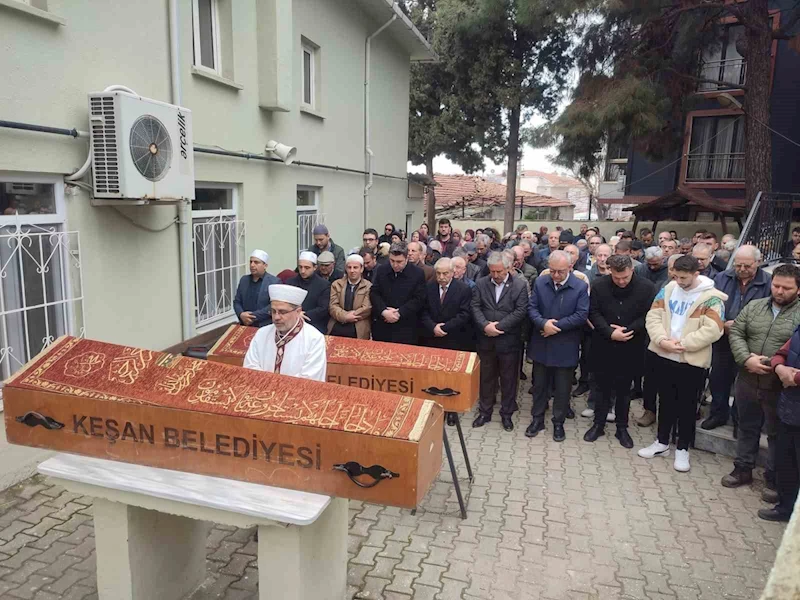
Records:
x=534, y=428
x=580, y=390
x=624, y=438
x=522, y=376
x=558, y=432
x=594, y=432
x=770, y=496
x=530, y=390
x=452, y=418
x=508, y=424
x=480, y=421
x=773, y=514
x=738, y=477
x=570, y=413
x=713, y=422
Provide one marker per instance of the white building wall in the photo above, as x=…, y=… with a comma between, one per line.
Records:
x=132, y=276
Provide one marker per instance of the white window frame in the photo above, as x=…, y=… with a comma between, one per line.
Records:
x=312, y=52
x=215, y=39
x=229, y=215
x=28, y=234
x=308, y=210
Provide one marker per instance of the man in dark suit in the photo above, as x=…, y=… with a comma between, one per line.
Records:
x=316, y=306
x=447, y=315
x=559, y=307
x=252, y=303
x=499, y=305
x=398, y=295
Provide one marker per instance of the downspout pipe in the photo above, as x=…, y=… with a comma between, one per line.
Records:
x=369, y=155
x=184, y=208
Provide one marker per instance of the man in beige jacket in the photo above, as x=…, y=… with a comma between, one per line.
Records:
x=350, y=305
x=686, y=317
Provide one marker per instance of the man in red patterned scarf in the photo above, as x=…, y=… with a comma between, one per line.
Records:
x=288, y=346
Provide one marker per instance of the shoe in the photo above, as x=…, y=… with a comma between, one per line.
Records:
x=611, y=416
x=452, y=419
x=508, y=424
x=522, y=376
x=654, y=449
x=594, y=432
x=713, y=422
x=624, y=438
x=773, y=514
x=588, y=413
x=558, y=432
x=647, y=419
x=682, y=461
x=580, y=390
x=534, y=428
x=570, y=413
x=738, y=477
x=480, y=421
x=530, y=390
x=769, y=480
x=770, y=496
x=637, y=395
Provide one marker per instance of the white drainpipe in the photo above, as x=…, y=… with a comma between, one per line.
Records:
x=184, y=208
x=367, y=149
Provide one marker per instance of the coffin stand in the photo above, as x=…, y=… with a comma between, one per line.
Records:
x=450, y=377
x=160, y=410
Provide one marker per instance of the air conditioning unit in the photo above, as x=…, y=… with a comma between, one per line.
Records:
x=141, y=148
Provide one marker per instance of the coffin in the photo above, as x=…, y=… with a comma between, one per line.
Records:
x=151, y=408
x=450, y=377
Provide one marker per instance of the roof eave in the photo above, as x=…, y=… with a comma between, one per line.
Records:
x=402, y=30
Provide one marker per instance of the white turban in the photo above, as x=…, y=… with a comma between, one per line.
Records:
x=260, y=255
x=287, y=293
x=309, y=256
x=355, y=258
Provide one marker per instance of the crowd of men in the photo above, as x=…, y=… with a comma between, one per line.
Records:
x=661, y=319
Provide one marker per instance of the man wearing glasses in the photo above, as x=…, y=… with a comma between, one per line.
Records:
x=289, y=346
x=370, y=240
x=742, y=284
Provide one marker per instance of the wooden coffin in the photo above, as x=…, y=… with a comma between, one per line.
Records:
x=450, y=377
x=151, y=408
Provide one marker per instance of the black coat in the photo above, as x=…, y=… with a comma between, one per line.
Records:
x=317, y=302
x=612, y=305
x=511, y=311
x=455, y=313
x=405, y=291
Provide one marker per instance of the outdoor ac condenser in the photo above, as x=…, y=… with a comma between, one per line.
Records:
x=141, y=148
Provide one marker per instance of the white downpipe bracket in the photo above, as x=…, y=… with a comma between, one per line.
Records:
x=369, y=155
x=184, y=208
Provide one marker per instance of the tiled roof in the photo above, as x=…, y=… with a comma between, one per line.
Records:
x=682, y=196
x=452, y=190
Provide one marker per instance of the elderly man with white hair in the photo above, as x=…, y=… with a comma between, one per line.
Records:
x=745, y=282
x=251, y=302
x=460, y=270
x=499, y=304
x=416, y=257
x=558, y=307
x=289, y=346
x=350, y=306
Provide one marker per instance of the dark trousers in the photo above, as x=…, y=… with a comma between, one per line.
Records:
x=650, y=384
x=723, y=373
x=561, y=378
x=504, y=367
x=679, y=387
x=614, y=382
x=787, y=466
x=638, y=374
x=757, y=408
x=586, y=348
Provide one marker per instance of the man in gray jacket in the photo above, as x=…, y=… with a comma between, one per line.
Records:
x=499, y=308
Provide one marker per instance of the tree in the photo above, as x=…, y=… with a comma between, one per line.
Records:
x=509, y=60
x=436, y=126
x=640, y=64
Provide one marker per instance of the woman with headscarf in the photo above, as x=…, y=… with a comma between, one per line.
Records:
x=387, y=234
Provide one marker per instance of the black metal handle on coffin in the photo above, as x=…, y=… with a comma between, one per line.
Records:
x=32, y=419
x=354, y=469
x=434, y=391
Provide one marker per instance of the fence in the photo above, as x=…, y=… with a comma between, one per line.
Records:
x=768, y=226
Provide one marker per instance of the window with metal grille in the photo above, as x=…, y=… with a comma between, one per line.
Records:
x=716, y=149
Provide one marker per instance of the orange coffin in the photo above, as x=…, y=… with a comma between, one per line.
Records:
x=151, y=408
x=450, y=377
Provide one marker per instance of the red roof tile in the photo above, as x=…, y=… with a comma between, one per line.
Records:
x=452, y=190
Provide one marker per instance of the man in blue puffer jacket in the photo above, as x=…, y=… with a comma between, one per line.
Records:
x=786, y=363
